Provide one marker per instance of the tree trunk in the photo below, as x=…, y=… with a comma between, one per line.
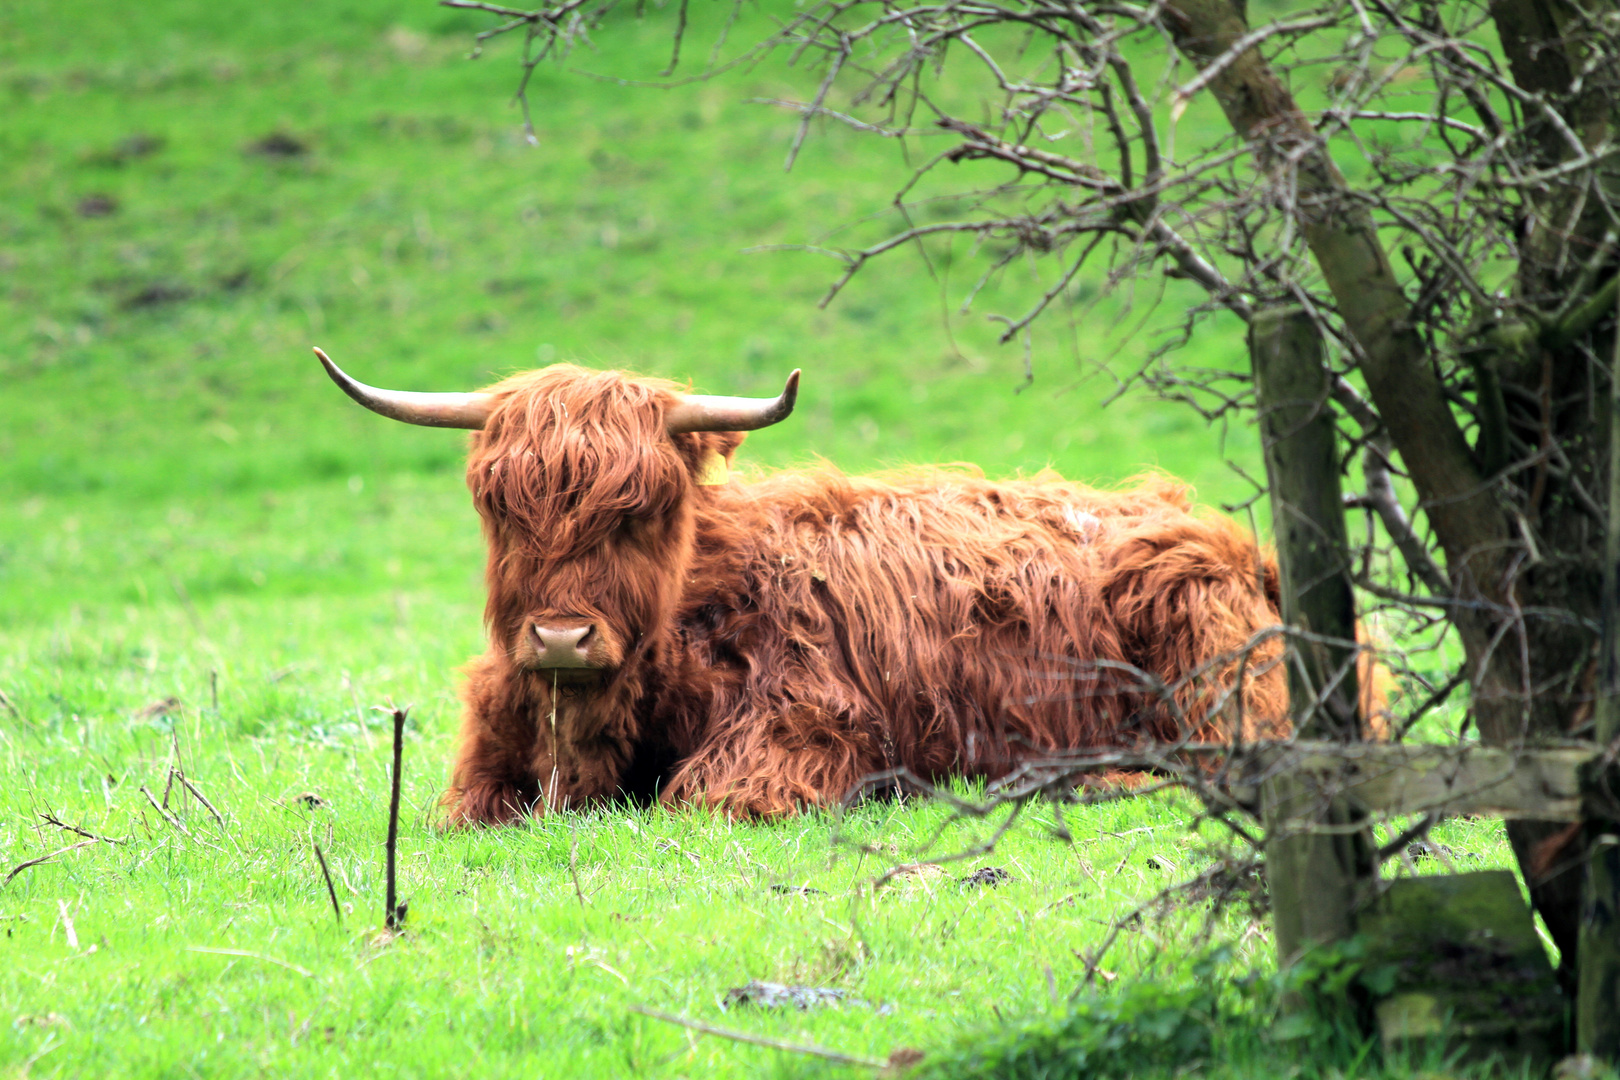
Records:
x=1316, y=878
x=1512, y=540
x=1292, y=386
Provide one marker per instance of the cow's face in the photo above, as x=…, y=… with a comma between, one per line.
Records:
x=587, y=500
x=586, y=481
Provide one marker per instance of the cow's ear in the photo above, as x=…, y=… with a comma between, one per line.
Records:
x=715, y=453
x=726, y=443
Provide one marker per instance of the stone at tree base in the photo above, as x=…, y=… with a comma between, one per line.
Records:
x=1456, y=957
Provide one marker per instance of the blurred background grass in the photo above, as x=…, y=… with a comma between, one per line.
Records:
x=192, y=194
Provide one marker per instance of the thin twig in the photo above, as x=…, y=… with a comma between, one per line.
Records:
x=52, y=819
x=305, y=972
x=170, y=818
x=203, y=799
x=394, y=913
x=337, y=912
x=573, y=862
x=1409, y=835
x=20, y=867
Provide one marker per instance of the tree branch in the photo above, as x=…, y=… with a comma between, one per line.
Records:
x=1342, y=237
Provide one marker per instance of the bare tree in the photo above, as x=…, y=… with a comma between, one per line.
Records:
x=1431, y=181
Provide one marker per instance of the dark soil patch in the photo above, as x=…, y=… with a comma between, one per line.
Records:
x=94, y=206
x=157, y=294
x=278, y=144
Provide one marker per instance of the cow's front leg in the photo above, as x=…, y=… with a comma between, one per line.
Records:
x=489, y=801
x=573, y=776
x=491, y=782
x=768, y=770
x=494, y=783
x=517, y=759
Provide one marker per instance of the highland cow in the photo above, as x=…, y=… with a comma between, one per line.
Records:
x=661, y=629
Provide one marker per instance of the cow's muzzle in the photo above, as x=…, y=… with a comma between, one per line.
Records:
x=568, y=647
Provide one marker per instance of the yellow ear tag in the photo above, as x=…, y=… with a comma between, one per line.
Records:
x=713, y=470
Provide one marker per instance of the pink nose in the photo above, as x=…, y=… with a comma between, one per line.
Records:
x=563, y=647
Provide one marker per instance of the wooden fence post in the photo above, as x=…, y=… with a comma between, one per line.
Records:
x=1597, y=959
x=1316, y=877
x=1597, y=999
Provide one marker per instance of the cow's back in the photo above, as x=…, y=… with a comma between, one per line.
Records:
x=938, y=620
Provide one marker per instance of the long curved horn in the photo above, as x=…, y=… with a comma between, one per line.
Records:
x=702, y=412
x=430, y=410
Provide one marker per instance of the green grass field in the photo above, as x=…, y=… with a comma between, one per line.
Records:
x=209, y=558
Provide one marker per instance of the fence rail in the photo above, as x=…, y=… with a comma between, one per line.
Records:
x=1380, y=778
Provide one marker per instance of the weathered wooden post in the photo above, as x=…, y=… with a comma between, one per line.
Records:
x=1460, y=951
x=1597, y=998
x=1316, y=877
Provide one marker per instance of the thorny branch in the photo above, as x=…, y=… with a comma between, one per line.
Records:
x=1074, y=114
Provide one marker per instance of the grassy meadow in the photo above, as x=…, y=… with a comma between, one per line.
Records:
x=211, y=561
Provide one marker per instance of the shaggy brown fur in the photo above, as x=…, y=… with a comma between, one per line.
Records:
x=766, y=643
